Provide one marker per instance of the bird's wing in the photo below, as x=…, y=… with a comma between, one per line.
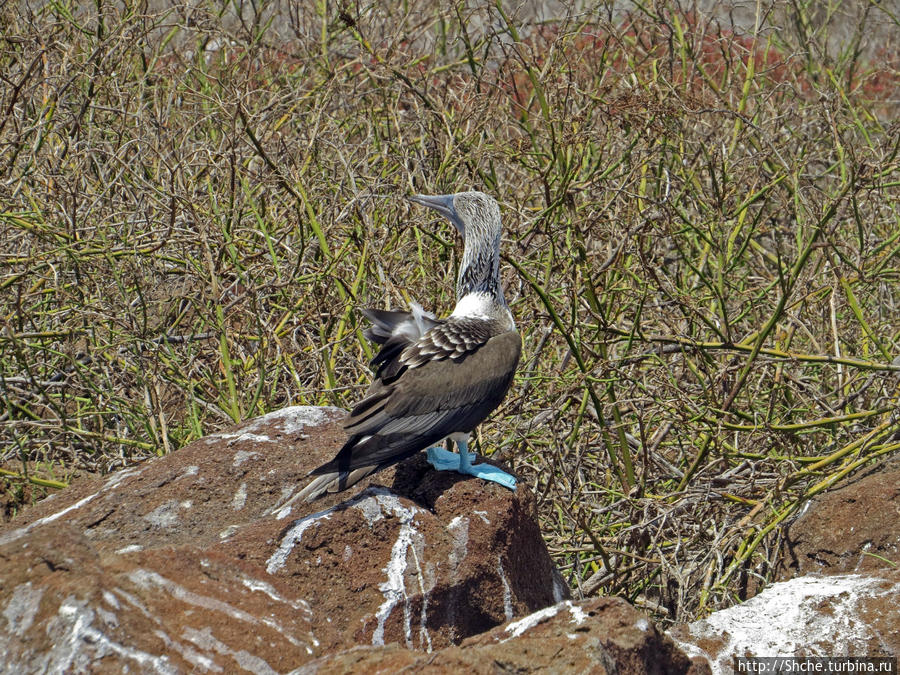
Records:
x=396, y=331
x=447, y=381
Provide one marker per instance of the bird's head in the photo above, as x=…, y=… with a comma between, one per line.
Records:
x=474, y=214
x=477, y=217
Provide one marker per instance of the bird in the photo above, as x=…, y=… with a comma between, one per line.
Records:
x=435, y=379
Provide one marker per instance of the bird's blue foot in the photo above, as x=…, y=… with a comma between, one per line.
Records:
x=444, y=460
x=491, y=473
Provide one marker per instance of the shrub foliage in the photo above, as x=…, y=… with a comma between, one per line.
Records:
x=701, y=249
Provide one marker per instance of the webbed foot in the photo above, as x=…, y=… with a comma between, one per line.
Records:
x=444, y=460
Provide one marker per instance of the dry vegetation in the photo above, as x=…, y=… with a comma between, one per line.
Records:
x=701, y=250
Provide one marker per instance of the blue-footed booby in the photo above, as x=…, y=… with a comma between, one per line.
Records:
x=435, y=378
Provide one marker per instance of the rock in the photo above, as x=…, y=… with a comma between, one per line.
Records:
x=853, y=528
x=602, y=635
x=842, y=615
x=202, y=561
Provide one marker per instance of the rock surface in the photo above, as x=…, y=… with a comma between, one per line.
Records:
x=841, y=615
x=853, y=528
x=201, y=561
x=603, y=635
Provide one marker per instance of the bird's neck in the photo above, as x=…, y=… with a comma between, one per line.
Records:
x=478, y=291
x=480, y=272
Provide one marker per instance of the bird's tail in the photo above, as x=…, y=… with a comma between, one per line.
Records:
x=335, y=481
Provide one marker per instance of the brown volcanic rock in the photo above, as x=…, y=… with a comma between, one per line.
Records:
x=202, y=561
x=852, y=528
x=602, y=635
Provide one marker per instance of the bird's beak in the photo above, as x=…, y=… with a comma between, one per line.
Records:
x=443, y=204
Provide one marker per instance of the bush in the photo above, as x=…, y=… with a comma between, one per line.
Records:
x=701, y=250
